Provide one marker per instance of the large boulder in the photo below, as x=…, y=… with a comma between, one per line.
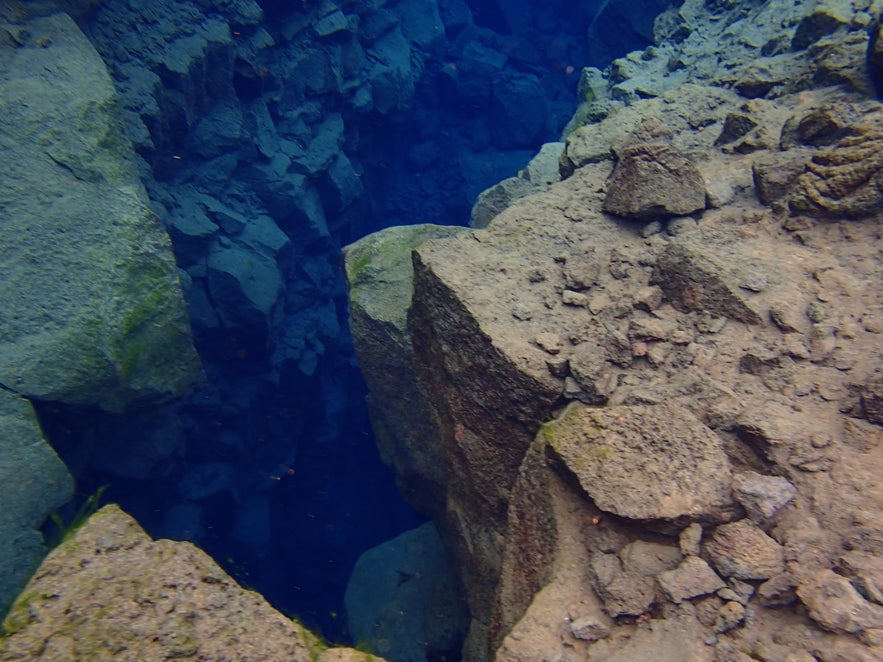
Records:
x=93, y=310
x=111, y=593
x=33, y=481
x=402, y=599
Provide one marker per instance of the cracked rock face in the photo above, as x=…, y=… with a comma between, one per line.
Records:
x=846, y=179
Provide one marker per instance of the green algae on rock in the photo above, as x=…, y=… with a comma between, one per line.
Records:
x=93, y=310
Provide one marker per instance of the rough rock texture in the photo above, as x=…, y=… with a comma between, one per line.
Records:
x=380, y=279
x=112, y=593
x=743, y=551
x=33, y=481
x=605, y=448
x=402, y=599
x=653, y=180
x=759, y=320
x=93, y=311
x=845, y=180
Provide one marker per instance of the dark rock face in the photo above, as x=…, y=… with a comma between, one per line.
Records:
x=875, y=56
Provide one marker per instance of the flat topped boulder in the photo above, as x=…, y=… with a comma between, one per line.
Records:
x=92, y=310
x=644, y=462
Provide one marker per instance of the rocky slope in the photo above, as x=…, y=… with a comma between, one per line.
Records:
x=653, y=390
x=112, y=593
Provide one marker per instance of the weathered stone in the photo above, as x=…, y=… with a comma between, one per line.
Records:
x=735, y=126
x=775, y=175
x=589, y=628
x=695, y=281
x=875, y=56
x=380, y=279
x=652, y=180
x=689, y=540
x=93, y=311
x=495, y=199
x=693, y=577
x=872, y=400
x=817, y=24
x=401, y=598
x=623, y=593
x=835, y=604
x=777, y=591
x=687, y=473
x=648, y=559
x=762, y=496
x=744, y=551
x=845, y=180
x=115, y=584
x=731, y=615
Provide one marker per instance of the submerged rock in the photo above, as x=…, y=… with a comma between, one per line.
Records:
x=685, y=473
x=112, y=593
x=33, y=481
x=92, y=306
x=402, y=599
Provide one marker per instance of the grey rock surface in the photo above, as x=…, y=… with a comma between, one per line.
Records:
x=693, y=577
x=402, y=599
x=762, y=496
x=33, y=482
x=93, y=310
x=743, y=551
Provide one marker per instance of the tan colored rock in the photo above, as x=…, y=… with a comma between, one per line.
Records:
x=654, y=180
x=112, y=593
x=835, y=604
x=845, y=180
x=685, y=471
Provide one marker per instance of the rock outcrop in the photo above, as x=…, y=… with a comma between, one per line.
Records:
x=93, y=310
x=111, y=593
x=659, y=438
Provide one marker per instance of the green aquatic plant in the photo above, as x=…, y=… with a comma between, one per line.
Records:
x=63, y=531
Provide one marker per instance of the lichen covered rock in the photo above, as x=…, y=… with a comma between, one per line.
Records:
x=33, y=481
x=93, y=310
